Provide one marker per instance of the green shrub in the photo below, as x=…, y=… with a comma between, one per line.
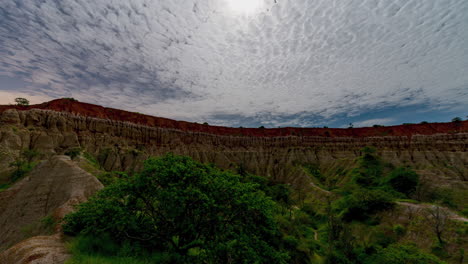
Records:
x=369, y=170
x=4, y=186
x=401, y=254
x=48, y=223
x=403, y=180
x=181, y=206
x=443, y=196
x=363, y=203
x=73, y=153
x=107, y=178
x=399, y=230
x=23, y=164
x=91, y=159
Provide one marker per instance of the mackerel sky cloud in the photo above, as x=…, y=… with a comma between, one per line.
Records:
x=282, y=63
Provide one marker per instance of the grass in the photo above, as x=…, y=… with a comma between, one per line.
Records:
x=102, y=250
x=48, y=223
x=97, y=259
x=91, y=159
x=4, y=186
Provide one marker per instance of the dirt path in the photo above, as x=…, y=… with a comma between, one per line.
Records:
x=451, y=215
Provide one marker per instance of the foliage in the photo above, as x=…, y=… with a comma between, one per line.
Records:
x=91, y=159
x=23, y=164
x=186, y=208
x=73, y=153
x=443, y=196
x=457, y=119
x=21, y=101
x=48, y=223
x=179, y=211
x=403, y=180
x=4, y=186
x=399, y=230
x=369, y=170
x=107, y=178
x=29, y=155
x=401, y=254
x=363, y=203
x=103, y=250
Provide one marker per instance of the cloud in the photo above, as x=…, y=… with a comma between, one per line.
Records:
x=375, y=121
x=198, y=60
x=8, y=97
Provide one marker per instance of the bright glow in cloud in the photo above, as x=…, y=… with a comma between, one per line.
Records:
x=290, y=62
x=245, y=6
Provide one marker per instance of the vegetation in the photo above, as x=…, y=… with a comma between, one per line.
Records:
x=23, y=164
x=200, y=214
x=403, y=180
x=73, y=153
x=401, y=254
x=197, y=214
x=21, y=101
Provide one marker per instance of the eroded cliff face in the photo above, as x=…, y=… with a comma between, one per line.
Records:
x=123, y=146
x=50, y=190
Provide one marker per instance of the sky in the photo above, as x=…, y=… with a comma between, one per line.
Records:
x=275, y=63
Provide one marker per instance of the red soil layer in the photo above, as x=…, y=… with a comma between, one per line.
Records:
x=91, y=110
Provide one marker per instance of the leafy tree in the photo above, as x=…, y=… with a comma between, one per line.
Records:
x=369, y=169
x=403, y=180
x=457, y=119
x=363, y=203
x=438, y=219
x=187, y=208
x=22, y=101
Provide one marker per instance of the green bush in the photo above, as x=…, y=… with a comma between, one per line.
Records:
x=403, y=180
x=363, y=203
x=401, y=254
x=73, y=153
x=399, y=230
x=369, y=170
x=107, y=178
x=186, y=208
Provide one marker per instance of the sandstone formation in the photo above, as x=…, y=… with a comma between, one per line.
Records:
x=123, y=145
x=50, y=190
x=37, y=250
x=121, y=140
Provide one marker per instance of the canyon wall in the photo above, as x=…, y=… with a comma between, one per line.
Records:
x=121, y=145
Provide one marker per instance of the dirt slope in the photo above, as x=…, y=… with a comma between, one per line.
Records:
x=50, y=190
